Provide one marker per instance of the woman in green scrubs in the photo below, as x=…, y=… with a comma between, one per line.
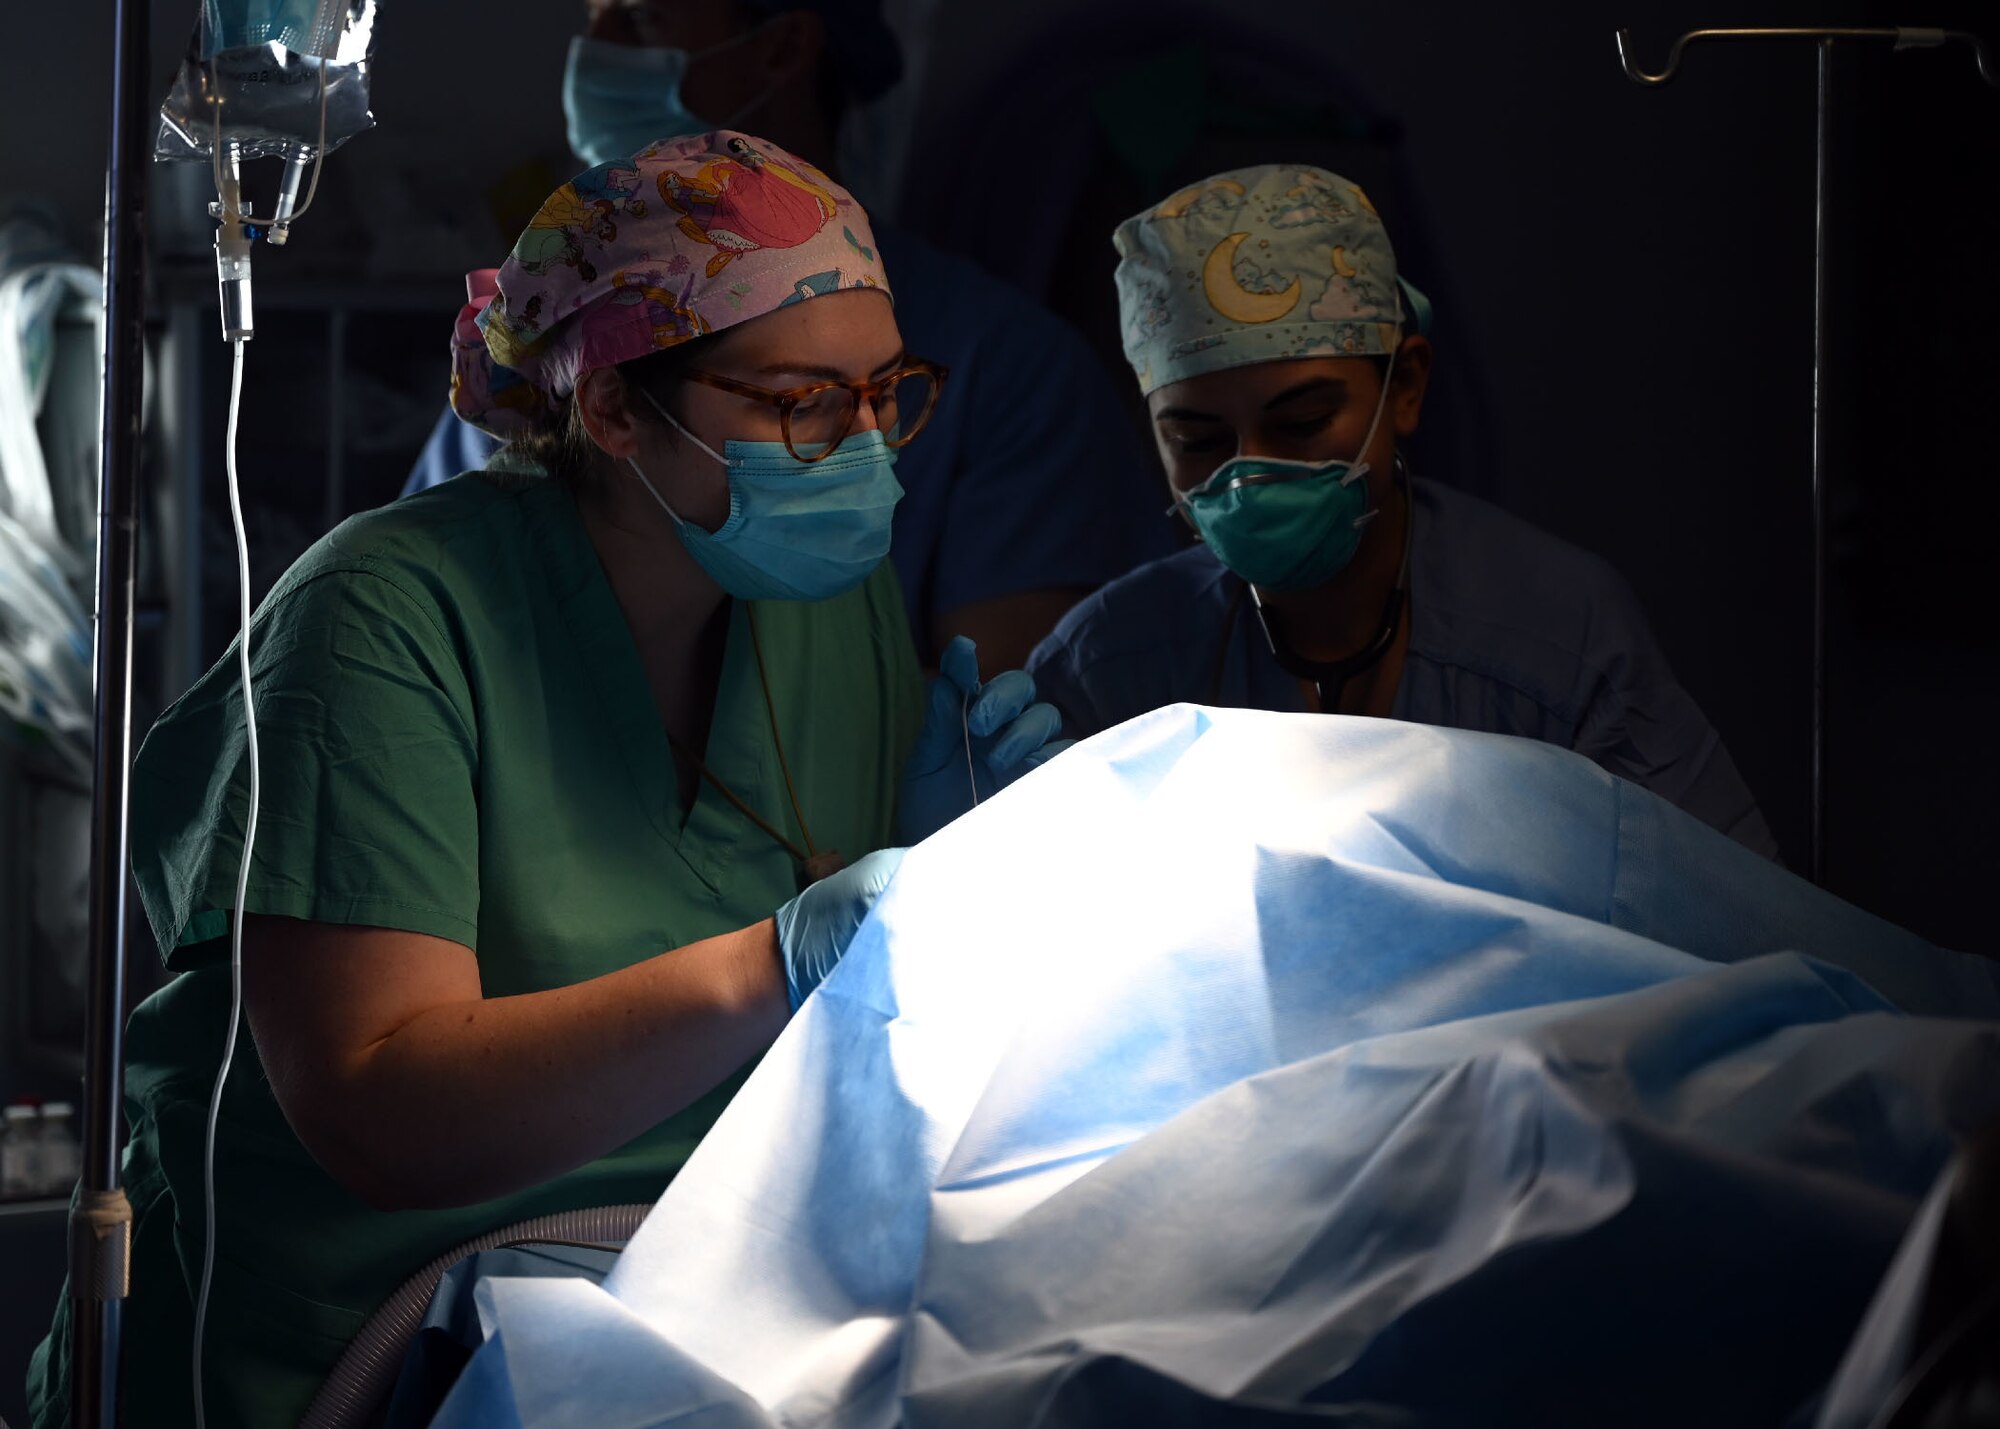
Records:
x=541, y=751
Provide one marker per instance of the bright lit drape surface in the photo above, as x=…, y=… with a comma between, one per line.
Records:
x=1241, y=1067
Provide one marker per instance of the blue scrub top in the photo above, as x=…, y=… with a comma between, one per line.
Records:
x=1511, y=632
x=1026, y=477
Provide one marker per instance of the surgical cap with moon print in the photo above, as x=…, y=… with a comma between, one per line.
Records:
x=1255, y=265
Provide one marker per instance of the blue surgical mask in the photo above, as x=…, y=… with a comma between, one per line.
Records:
x=796, y=530
x=1285, y=525
x=618, y=99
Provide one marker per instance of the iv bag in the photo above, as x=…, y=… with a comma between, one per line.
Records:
x=311, y=27
x=264, y=61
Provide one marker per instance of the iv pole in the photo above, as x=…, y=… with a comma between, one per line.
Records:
x=100, y=1224
x=1902, y=38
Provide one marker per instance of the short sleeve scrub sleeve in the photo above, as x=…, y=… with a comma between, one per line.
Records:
x=455, y=738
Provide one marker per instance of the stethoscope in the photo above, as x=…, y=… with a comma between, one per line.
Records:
x=1329, y=678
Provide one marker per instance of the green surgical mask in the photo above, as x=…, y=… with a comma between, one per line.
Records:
x=1285, y=525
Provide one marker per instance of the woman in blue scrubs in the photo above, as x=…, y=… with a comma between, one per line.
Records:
x=1264, y=318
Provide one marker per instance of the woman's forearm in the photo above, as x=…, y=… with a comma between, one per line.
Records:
x=473, y=1097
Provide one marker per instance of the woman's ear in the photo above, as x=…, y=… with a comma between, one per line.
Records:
x=1409, y=380
x=603, y=406
x=791, y=46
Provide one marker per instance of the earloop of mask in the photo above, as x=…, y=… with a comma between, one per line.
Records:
x=645, y=481
x=653, y=491
x=1358, y=468
x=661, y=409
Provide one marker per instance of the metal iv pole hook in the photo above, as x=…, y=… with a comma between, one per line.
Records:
x=1903, y=37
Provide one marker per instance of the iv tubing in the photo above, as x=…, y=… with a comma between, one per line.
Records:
x=242, y=878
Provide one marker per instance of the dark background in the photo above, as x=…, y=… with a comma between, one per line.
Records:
x=1623, y=279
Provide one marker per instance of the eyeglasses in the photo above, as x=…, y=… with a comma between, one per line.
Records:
x=817, y=418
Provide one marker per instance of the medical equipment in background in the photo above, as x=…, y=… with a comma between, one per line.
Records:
x=20, y=1151
x=288, y=80
x=359, y=1387
x=1903, y=37
x=48, y=302
x=39, y=1154
x=242, y=93
x=100, y=1225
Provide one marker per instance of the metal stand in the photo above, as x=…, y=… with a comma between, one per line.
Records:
x=1902, y=38
x=100, y=1226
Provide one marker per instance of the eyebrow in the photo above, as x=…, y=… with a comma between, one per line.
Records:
x=824, y=372
x=1184, y=414
x=1330, y=386
x=1313, y=386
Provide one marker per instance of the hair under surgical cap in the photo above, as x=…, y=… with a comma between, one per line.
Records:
x=1255, y=265
x=686, y=237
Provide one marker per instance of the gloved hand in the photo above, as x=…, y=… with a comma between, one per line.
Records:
x=815, y=928
x=1011, y=735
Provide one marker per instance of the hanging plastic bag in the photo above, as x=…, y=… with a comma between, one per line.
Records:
x=32, y=301
x=254, y=73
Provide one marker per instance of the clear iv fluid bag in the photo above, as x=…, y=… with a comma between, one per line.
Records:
x=263, y=60
x=308, y=27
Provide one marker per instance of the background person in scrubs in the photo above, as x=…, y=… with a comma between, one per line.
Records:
x=1262, y=315
x=519, y=735
x=1029, y=422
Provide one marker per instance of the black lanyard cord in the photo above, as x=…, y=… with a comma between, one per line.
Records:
x=813, y=862
x=1328, y=678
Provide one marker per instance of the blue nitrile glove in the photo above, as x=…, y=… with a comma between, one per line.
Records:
x=815, y=928
x=1011, y=735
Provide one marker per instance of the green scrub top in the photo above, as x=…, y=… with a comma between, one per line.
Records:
x=456, y=738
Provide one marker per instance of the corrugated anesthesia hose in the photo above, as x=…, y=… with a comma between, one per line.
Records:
x=366, y=1373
